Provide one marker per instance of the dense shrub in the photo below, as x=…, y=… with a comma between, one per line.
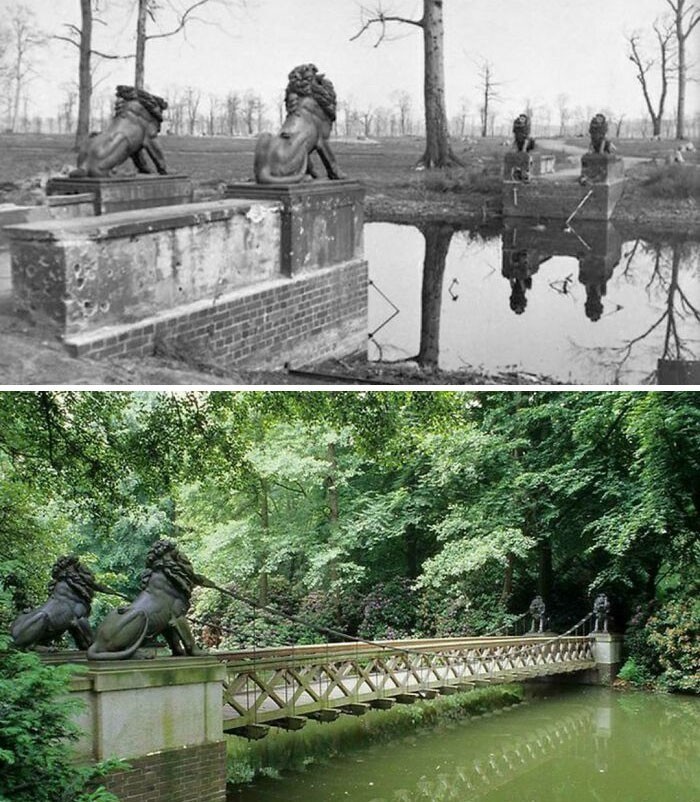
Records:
x=674, y=631
x=679, y=181
x=36, y=732
x=389, y=611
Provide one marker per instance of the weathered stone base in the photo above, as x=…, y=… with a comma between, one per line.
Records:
x=519, y=165
x=123, y=193
x=557, y=199
x=188, y=774
x=306, y=318
x=57, y=207
x=321, y=221
x=602, y=167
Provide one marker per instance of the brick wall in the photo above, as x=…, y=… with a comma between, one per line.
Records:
x=189, y=774
x=311, y=315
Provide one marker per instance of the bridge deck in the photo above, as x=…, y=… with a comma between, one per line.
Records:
x=280, y=686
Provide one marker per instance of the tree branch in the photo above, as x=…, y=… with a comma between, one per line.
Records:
x=182, y=23
x=378, y=17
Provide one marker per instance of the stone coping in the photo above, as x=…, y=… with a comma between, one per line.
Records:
x=100, y=676
x=117, y=225
x=68, y=199
x=119, y=179
x=316, y=187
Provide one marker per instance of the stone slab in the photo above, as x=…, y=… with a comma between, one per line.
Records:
x=532, y=164
x=322, y=221
x=125, y=193
x=77, y=276
x=552, y=198
x=132, y=709
x=602, y=167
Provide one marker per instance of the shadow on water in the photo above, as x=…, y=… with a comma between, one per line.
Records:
x=573, y=745
x=580, y=304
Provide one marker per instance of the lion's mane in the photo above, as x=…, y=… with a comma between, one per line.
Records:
x=165, y=556
x=70, y=570
x=153, y=104
x=306, y=81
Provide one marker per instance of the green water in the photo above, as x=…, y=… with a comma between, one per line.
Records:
x=568, y=745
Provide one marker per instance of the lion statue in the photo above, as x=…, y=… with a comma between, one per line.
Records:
x=537, y=611
x=131, y=132
x=159, y=609
x=601, y=611
x=523, y=142
x=71, y=590
x=311, y=108
x=598, y=131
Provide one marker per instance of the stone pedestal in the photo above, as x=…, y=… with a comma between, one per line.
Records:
x=321, y=221
x=164, y=717
x=602, y=167
x=127, y=192
x=607, y=652
x=521, y=166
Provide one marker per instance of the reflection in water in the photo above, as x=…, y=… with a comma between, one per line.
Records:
x=642, y=297
x=573, y=745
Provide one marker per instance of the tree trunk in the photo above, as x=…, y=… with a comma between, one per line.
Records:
x=437, y=244
x=84, y=74
x=544, y=579
x=682, y=76
x=438, y=152
x=507, y=590
x=140, y=44
x=263, y=590
x=331, y=486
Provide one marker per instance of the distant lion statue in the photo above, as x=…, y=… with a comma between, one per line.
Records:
x=521, y=134
x=67, y=609
x=285, y=158
x=159, y=609
x=601, y=612
x=598, y=132
x=131, y=134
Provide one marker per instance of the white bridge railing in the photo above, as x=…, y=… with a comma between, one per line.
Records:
x=282, y=685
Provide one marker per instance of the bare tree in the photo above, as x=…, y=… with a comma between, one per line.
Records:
x=564, y=112
x=233, y=108
x=147, y=10
x=685, y=18
x=251, y=111
x=438, y=151
x=81, y=38
x=664, y=39
x=489, y=93
x=23, y=41
x=403, y=104
x=366, y=117
x=190, y=99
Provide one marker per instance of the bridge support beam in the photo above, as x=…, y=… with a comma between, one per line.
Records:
x=163, y=717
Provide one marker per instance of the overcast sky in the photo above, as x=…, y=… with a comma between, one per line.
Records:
x=538, y=49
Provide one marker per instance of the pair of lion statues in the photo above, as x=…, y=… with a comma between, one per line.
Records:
x=283, y=158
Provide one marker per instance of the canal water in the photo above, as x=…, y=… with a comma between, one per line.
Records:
x=574, y=744
x=583, y=305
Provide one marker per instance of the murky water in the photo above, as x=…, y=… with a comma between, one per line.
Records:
x=580, y=306
x=575, y=745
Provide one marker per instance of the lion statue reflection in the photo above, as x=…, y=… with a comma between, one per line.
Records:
x=285, y=158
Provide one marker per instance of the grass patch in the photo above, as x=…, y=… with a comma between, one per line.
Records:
x=676, y=181
x=283, y=751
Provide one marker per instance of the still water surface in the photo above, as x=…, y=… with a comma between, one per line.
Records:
x=574, y=745
x=584, y=306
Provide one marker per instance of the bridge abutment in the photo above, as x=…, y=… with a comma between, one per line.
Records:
x=607, y=652
x=163, y=717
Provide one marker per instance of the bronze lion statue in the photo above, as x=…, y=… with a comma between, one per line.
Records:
x=598, y=132
x=71, y=590
x=131, y=133
x=285, y=158
x=522, y=140
x=159, y=609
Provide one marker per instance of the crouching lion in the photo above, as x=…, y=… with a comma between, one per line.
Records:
x=130, y=134
x=67, y=609
x=159, y=609
x=285, y=158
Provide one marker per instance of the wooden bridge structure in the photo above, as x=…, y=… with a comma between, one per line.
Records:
x=285, y=687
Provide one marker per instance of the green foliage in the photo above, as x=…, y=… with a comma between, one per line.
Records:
x=634, y=673
x=674, y=631
x=675, y=181
x=281, y=752
x=389, y=611
x=36, y=732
